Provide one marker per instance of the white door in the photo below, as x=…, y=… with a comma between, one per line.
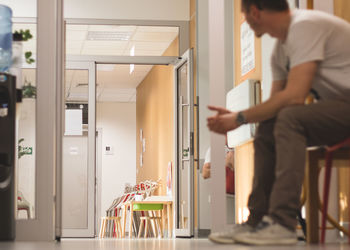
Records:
x=79, y=147
x=184, y=172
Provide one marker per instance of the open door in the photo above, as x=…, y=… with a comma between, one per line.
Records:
x=184, y=172
x=79, y=147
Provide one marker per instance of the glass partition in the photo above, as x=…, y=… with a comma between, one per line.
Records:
x=24, y=67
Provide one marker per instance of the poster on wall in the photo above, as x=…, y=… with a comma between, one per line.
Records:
x=247, y=49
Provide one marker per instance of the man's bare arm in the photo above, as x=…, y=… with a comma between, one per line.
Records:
x=298, y=87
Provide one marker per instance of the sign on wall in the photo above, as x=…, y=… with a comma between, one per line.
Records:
x=247, y=49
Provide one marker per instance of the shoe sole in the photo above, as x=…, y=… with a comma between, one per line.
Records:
x=221, y=240
x=267, y=242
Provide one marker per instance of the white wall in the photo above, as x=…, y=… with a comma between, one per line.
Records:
x=118, y=124
x=204, y=94
x=176, y=10
x=324, y=5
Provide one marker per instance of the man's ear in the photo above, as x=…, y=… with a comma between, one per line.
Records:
x=254, y=12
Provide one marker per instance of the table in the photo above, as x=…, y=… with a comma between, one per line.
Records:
x=167, y=208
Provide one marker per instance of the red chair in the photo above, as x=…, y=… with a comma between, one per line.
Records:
x=328, y=167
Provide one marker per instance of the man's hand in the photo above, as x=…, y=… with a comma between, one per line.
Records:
x=223, y=121
x=206, y=171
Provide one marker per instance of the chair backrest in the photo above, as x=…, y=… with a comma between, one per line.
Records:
x=339, y=145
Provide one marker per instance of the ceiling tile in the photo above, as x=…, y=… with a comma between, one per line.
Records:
x=76, y=35
x=157, y=29
x=77, y=27
x=154, y=37
x=121, y=28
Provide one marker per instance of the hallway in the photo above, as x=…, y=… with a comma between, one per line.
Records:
x=149, y=244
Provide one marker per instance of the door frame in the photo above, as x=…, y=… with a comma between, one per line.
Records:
x=48, y=126
x=90, y=231
x=94, y=60
x=187, y=57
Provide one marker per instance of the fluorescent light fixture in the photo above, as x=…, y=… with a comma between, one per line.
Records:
x=132, y=53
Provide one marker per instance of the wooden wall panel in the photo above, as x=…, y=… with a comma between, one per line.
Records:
x=244, y=156
x=342, y=9
x=155, y=116
x=256, y=73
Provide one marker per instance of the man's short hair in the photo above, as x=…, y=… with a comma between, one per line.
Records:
x=274, y=5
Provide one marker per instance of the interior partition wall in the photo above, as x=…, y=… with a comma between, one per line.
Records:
x=48, y=113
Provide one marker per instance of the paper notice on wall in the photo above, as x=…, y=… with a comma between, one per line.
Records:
x=74, y=122
x=247, y=49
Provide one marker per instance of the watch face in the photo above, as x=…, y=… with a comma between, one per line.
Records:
x=240, y=118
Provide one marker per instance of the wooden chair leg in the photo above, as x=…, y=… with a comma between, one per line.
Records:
x=120, y=228
x=117, y=227
x=154, y=224
x=140, y=228
x=104, y=225
x=101, y=227
x=160, y=221
x=131, y=221
x=328, y=172
x=312, y=199
x=146, y=227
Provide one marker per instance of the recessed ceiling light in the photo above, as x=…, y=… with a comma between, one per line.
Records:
x=108, y=35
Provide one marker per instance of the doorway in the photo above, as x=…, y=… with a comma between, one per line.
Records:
x=131, y=58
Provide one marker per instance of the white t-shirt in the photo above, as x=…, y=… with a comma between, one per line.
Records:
x=317, y=36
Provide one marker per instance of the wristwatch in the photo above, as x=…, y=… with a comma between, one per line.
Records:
x=240, y=119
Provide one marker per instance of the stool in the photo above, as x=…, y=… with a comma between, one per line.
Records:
x=145, y=220
x=117, y=226
x=329, y=158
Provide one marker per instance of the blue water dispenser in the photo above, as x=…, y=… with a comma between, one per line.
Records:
x=5, y=38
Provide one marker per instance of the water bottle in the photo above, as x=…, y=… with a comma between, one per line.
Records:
x=5, y=38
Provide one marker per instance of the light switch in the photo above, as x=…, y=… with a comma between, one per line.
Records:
x=109, y=150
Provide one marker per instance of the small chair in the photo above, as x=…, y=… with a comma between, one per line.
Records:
x=311, y=192
x=23, y=204
x=117, y=226
x=329, y=158
x=152, y=210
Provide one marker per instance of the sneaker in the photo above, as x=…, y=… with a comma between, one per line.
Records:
x=268, y=232
x=226, y=237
